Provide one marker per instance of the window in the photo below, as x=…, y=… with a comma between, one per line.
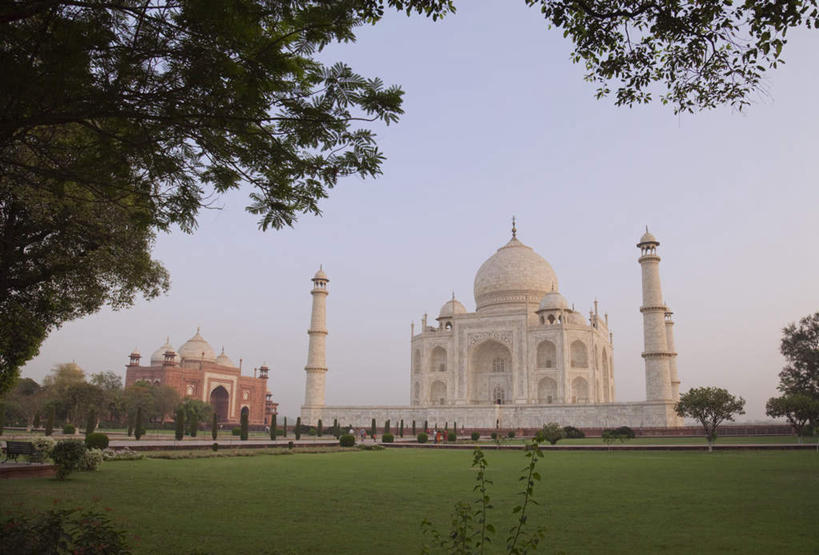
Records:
x=498, y=365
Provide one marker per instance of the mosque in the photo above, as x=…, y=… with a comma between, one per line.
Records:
x=525, y=357
x=197, y=372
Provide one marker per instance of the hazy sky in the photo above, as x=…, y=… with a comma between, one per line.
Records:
x=498, y=123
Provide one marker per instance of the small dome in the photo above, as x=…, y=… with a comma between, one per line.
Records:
x=553, y=301
x=158, y=357
x=321, y=275
x=224, y=360
x=648, y=238
x=196, y=348
x=576, y=318
x=515, y=275
x=451, y=308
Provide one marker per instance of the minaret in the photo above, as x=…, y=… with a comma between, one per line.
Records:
x=656, y=353
x=672, y=362
x=316, y=361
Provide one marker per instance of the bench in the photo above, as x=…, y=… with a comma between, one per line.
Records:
x=16, y=448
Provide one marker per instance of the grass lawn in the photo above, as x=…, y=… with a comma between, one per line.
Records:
x=727, y=440
x=373, y=501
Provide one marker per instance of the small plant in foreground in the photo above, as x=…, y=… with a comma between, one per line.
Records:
x=422, y=437
x=67, y=455
x=91, y=460
x=61, y=531
x=97, y=440
x=69, y=429
x=346, y=440
x=387, y=438
x=470, y=530
x=43, y=446
x=476, y=436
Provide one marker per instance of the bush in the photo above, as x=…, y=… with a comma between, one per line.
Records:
x=97, y=440
x=298, y=428
x=236, y=431
x=68, y=455
x=139, y=429
x=123, y=454
x=53, y=531
x=511, y=434
x=290, y=445
x=91, y=460
x=244, y=424
x=346, y=440
x=551, y=432
x=42, y=448
x=49, y=429
x=452, y=437
x=476, y=436
x=215, y=446
x=214, y=427
x=422, y=437
x=90, y=422
x=69, y=429
x=179, y=431
x=387, y=438
x=625, y=432
x=573, y=433
x=494, y=435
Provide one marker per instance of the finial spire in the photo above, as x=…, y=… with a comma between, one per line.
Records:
x=514, y=229
x=646, y=228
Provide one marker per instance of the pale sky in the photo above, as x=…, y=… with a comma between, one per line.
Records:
x=498, y=123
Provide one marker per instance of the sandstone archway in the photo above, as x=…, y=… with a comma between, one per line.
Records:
x=219, y=400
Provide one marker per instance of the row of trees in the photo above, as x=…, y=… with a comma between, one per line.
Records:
x=74, y=399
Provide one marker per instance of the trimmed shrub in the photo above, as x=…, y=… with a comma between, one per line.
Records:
x=387, y=438
x=346, y=440
x=476, y=436
x=42, y=448
x=130, y=426
x=243, y=424
x=68, y=455
x=215, y=446
x=573, y=433
x=91, y=460
x=426, y=426
x=319, y=428
x=413, y=427
x=179, y=433
x=36, y=420
x=494, y=435
x=49, y=429
x=289, y=444
x=422, y=437
x=214, y=427
x=139, y=429
x=284, y=429
x=298, y=428
x=387, y=427
x=273, y=427
x=451, y=437
x=401, y=428
x=96, y=440
x=372, y=428
x=235, y=431
x=511, y=434
x=69, y=429
x=90, y=422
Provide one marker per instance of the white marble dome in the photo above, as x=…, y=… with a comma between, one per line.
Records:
x=451, y=308
x=647, y=238
x=158, y=356
x=224, y=360
x=196, y=348
x=514, y=275
x=553, y=301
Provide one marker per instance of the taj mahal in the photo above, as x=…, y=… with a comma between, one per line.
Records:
x=523, y=358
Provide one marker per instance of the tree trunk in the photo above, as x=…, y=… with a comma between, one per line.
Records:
x=710, y=446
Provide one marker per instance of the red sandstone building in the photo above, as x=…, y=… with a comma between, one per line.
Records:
x=196, y=372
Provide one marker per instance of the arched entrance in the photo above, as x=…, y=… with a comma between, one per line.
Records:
x=219, y=398
x=490, y=373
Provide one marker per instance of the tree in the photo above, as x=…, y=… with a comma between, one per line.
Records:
x=123, y=118
x=112, y=407
x=243, y=423
x=139, y=430
x=179, y=430
x=90, y=422
x=196, y=411
x=139, y=396
x=800, y=410
x=273, y=427
x=800, y=347
x=214, y=427
x=165, y=401
x=710, y=406
x=49, y=429
x=298, y=427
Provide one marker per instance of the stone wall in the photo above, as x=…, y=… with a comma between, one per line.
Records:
x=606, y=415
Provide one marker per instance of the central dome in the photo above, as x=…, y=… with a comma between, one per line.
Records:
x=512, y=278
x=196, y=348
